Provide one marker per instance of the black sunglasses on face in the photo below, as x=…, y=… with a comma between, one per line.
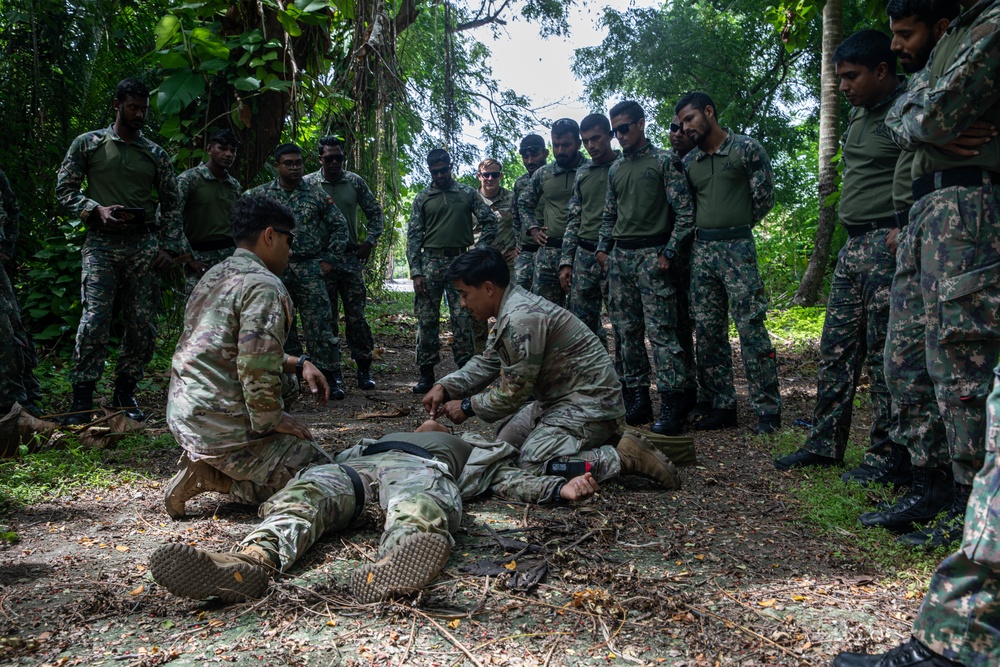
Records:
x=333, y=158
x=287, y=232
x=291, y=164
x=438, y=172
x=490, y=174
x=624, y=127
x=674, y=127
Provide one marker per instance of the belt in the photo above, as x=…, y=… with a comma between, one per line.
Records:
x=902, y=217
x=970, y=177
x=724, y=234
x=587, y=245
x=124, y=232
x=888, y=222
x=218, y=244
x=445, y=252
x=396, y=446
x=643, y=242
x=529, y=247
x=296, y=258
x=553, y=242
x=359, y=490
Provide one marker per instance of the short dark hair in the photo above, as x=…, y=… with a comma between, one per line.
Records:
x=927, y=12
x=285, y=149
x=438, y=155
x=131, y=87
x=629, y=108
x=252, y=214
x=532, y=141
x=698, y=100
x=224, y=137
x=565, y=126
x=331, y=141
x=595, y=120
x=479, y=265
x=866, y=47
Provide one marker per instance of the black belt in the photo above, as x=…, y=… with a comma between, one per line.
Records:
x=643, y=242
x=445, y=252
x=959, y=177
x=296, y=258
x=724, y=234
x=529, y=247
x=359, y=490
x=587, y=245
x=553, y=242
x=902, y=217
x=397, y=446
x=888, y=222
x=124, y=232
x=218, y=244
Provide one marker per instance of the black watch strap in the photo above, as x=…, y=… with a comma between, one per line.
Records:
x=467, y=407
x=301, y=364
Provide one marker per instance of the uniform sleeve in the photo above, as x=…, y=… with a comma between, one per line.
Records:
x=474, y=376
x=9, y=228
x=610, y=215
x=488, y=220
x=525, y=350
x=263, y=321
x=372, y=210
x=938, y=114
x=69, y=179
x=758, y=166
x=675, y=184
x=336, y=230
x=169, y=214
x=574, y=213
x=185, y=183
x=515, y=213
x=415, y=237
x=528, y=200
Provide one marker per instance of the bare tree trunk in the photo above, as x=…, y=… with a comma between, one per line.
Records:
x=829, y=136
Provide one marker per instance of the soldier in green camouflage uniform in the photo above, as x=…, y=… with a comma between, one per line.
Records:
x=731, y=181
x=533, y=156
x=579, y=272
x=646, y=220
x=955, y=223
x=18, y=360
x=122, y=250
x=345, y=278
x=501, y=201
x=322, y=236
x=440, y=230
x=207, y=193
x=857, y=312
x=224, y=404
x=550, y=188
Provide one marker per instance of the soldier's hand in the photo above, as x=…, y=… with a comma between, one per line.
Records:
x=602, y=259
x=579, y=488
x=316, y=381
x=292, y=426
x=4, y=257
x=977, y=134
x=325, y=267
x=663, y=263
x=892, y=239
x=198, y=267
x=433, y=399
x=109, y=214
x=453, y=411
x=364, y=251
x=538, y=233
x=163, y=261
x=566, y=278
x=419, y=285
x=511, y=255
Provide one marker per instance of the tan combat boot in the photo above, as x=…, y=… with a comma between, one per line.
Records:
x=193, y=478
x=638, y=457
x=406, y=569
x=196, y=574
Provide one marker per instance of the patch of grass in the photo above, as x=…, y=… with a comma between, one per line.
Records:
x=392, y=314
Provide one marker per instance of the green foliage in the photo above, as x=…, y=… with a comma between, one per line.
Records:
x=50, y=294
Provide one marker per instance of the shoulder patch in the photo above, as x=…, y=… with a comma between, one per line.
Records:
x=501, y=349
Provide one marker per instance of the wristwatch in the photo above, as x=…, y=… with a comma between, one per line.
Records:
x=669, y=254
x=301, y=364
x=467, y=407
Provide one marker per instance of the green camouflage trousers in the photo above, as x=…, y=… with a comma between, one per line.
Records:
x=491, y=468
x=346, y=283
x=17, y=351
x=680, y=268
x=115, y=266
x=560, y=435
x=427, y=309
x=589, y=291
x=857, y=315
x=524, y=269
x=642, y=303
x=207, y=257
x=416, y=494
x=959, y=618
x=918, y=424
x=725, y=280
x=304, y=281
x=545, y=281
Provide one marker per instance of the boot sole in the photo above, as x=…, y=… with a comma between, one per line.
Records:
x=189, y=573
x=176, y=512
x=406, y=569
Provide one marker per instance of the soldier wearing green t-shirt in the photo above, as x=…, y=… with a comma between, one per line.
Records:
x=533, y=157
x=731, y=180
x=207, y=195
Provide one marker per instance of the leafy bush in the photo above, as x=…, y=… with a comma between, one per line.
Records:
x=51, y=290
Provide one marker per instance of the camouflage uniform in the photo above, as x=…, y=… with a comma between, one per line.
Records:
x=857, y=310
x=346, y=281
x=504, y=242
x=225, y=395
x=955, y=222
x=647, y=213
x=205, y=202
x=733, y=190
x=524, y=265
x=539, y=349
x=440, y=230
x=17, y=350
x=320, y=235
x=118, y=259
x=549, y=189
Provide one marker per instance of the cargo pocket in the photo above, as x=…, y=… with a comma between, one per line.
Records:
x=969, y=305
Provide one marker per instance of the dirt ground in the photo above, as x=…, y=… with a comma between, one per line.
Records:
x=721, y=572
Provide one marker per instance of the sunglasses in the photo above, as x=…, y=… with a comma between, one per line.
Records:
x=333, y=158
x=674, y=127
x=490, y=174
x=291, y=164
x=439, y=172
x=287, y=232
x=624, y=127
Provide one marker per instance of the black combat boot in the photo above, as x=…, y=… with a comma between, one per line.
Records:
x=946, y=530
x=426, y=381
x=700, y=410
x=689, y=402
x=124, y=398
x=83, y=403
x=803, y=458
x=640, y=410
x=718, y=418
x=336, y=381
x=767, y=424
x=932, y=491
x=365, y=379
x=895, y=470
x=910, y=654
x=669, y=421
